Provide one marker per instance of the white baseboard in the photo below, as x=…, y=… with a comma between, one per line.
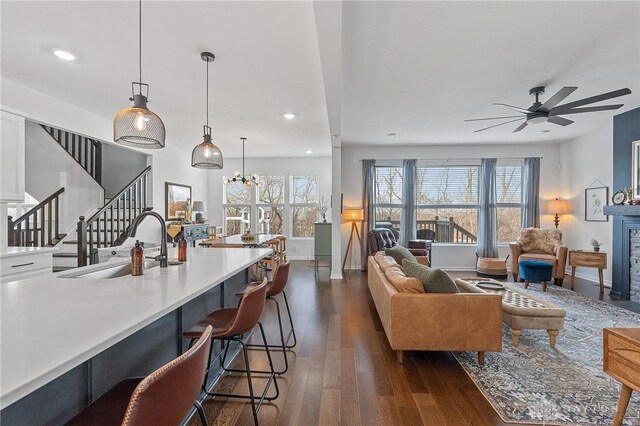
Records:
x=335, y=276
x=299, y=257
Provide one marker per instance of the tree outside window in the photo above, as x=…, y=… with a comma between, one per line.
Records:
x=304, y=204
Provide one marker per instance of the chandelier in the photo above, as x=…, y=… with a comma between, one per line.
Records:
x=206, y=155
x=138, y=126
x=237, y=177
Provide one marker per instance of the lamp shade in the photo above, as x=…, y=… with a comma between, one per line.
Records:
x=199, y=206
x=353, y=214
x=558, y=206
x=206, y=155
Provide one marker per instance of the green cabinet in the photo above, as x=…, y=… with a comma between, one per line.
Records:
x=322, y=244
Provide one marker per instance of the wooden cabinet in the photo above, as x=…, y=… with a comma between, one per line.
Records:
x=25, y=262
x=322, y=243
x=12, y=142
x=589, y=259
x=622, y=362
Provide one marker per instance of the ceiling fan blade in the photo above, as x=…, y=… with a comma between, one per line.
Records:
x=556, y=99
x=493, y=118
x=591, y=100
x=522, y=110
x=520, y=127
x=496, y=125
x=560, y=121
x=590, y=109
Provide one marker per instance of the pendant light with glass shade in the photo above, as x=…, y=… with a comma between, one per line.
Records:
x=138, y=126
x=237, y=177
x=206, y=155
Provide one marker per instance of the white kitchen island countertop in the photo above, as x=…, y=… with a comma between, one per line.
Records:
x=52, y=324
x=21, y=251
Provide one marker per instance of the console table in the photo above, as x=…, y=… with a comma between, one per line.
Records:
x=192, y=232
x=322, y=244
x=622, y=362
x=590, y=259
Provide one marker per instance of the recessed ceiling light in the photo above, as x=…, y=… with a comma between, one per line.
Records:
x=391, y=135
x=544, y=131
x=289, y=116
x=64, y=55
x=309, y=151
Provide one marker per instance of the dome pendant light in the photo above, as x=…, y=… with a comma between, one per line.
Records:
x=138, y=126
x=207, y=155
x=237, y=177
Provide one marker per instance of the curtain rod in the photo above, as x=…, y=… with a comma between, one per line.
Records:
x=449, y=159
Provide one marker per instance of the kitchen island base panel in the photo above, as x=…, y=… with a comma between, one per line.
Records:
x=137, y=355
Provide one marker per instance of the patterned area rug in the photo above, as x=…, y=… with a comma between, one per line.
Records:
x=563, y=386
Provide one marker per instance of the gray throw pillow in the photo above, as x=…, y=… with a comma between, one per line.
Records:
x=398, y=253
x=433, y=280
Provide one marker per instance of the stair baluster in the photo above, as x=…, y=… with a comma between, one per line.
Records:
x=35, y=228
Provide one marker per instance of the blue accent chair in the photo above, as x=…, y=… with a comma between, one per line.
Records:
x=535, y=270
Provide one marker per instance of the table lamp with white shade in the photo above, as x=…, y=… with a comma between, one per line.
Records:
x=199, y=207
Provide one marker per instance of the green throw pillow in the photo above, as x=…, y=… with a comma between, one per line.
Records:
x=433, y=280
x=398, y=253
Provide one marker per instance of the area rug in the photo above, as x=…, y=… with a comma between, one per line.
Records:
x=534, y=383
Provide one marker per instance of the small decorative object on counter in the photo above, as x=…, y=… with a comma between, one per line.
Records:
x=247, y=236
x=137, y=259
x=182, y=250
x=596, y=244
x=619, y=198
x=323, y=208
x=629, y=199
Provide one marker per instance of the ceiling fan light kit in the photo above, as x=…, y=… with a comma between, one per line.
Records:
x=138, y=126
x=207, y=155
x=550, y=111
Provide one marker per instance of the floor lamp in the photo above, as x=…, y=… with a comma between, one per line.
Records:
x=354, y=215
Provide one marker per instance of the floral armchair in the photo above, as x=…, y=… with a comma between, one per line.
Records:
x=540, y=244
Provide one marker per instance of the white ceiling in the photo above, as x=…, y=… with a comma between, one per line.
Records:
x=420, y=68
x=267, y=63
x=417, y=69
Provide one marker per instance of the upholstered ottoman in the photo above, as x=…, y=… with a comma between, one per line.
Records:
x=522, y=311
x=490, y=267
x=535, y=270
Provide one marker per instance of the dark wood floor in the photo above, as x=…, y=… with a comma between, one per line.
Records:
x=344, y=371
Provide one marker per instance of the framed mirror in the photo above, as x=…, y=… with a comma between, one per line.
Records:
x=635, y=173
x=176, y=197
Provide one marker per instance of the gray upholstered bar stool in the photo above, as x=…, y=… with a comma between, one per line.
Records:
x=229, y=325
x=164, y=397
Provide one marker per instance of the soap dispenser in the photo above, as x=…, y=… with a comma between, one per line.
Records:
x=137, y=259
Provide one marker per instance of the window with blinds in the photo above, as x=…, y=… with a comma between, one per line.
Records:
x=509, y=185
x=447, y=185
x=388, y=185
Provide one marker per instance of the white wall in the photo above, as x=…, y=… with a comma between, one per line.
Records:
x=122, y=165
x=584, y=160
x=48, y=168
x=297, y=248
x=171, y=164
x=455, y=257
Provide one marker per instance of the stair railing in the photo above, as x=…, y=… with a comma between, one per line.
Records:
x=106, y=226
x=38, y=227
x=86, y=151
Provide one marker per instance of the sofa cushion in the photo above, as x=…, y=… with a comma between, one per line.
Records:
x=385, y=262
x=538, y=256
x=402, y=283
x=535, y=240
x=433, y=280
x=399, y=253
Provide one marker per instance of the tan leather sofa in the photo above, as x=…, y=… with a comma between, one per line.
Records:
x=540, y=244
x=436, y=321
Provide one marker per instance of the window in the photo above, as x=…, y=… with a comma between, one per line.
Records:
x=388, y=197
x=271, y=205
x=280, y=204
x=304, y=204
x=509, y=186
x=447, y=200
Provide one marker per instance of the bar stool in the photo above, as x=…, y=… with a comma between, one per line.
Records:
x=283, y=248
x=274, y=288
x=269, y=263
x=163, y=397
x=229, y=324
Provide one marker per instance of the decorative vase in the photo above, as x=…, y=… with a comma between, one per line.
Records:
x=596, y=249
x=324, y=218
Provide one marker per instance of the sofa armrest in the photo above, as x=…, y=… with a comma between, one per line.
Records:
x=561, y=256
x=437, y=321
x=516, y=251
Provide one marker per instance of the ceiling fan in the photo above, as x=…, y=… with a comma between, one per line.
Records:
x=550, y=111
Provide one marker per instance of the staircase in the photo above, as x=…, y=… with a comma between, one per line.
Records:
x=86, y=151
x=38, y=227
x=107, y=227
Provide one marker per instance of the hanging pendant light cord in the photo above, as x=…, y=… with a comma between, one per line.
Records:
x=207, y=93
x=140, y=42
x=243, y=140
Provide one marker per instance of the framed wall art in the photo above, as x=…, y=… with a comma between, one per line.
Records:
x=595, y=198
x=176, y=198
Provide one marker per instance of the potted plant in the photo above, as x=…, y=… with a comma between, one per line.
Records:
x=596, y=244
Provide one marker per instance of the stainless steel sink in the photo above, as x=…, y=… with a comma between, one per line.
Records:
x=109, y=271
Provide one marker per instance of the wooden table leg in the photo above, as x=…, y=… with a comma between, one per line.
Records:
x=515, y=337
x=623, y=402
x=601, y=281
x=573, y=276
x=552, y=337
